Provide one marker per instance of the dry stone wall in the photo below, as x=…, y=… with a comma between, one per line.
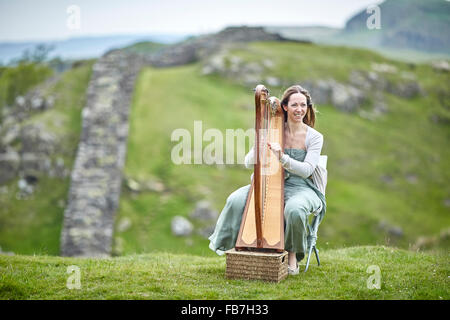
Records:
x=97, y=173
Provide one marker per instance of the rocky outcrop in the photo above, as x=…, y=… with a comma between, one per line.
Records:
x=364, y=86
x=194, y=49
x=204, y=218
x=28, y=148
x=349, y=96
x=243, y=72
x=441, y=66
x=344, y=97
x=181, y=227
x=9, y=164
x=440, y=240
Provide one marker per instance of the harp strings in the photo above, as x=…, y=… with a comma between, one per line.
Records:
x=265, y=159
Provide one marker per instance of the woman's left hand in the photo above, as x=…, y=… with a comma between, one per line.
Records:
x=276, y=149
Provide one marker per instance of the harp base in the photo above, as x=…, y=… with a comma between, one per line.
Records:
x=253, y=249
x=256, y=265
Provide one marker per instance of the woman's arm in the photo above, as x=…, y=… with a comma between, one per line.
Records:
x=305, y=168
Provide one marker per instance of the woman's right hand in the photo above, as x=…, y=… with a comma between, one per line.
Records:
x=276, y=149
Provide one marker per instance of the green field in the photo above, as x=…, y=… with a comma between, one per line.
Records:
x=343, y=274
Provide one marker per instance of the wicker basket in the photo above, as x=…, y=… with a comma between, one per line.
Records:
x=256, y=265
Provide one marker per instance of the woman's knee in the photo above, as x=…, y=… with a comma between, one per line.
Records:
x=297, y=203
x=296, y=215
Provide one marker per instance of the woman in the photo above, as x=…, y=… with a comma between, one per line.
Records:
x=303, y=145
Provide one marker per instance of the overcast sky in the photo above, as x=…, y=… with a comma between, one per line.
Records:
x=49, y=19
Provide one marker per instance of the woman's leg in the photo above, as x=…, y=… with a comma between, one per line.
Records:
x=227, y=227
x=296, y=211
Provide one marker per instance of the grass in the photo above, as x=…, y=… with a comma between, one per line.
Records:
x=342, y=275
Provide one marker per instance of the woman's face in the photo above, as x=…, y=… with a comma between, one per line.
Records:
x=297, y=107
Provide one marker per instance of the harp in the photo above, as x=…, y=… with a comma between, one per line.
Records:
x=262, y=225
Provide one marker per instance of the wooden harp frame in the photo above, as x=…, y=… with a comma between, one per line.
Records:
x=262, y=225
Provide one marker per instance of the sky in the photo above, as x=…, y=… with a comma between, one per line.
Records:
x=25, y=20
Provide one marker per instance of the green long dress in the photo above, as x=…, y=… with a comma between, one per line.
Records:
x=301, y=198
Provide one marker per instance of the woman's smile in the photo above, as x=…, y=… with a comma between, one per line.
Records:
x=298, y=115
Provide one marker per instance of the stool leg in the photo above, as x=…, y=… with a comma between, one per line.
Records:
x=309, y=256
x=317, y=255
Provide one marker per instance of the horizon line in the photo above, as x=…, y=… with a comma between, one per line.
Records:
x=155, y=33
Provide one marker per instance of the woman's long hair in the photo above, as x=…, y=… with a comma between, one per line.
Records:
x=310, y=117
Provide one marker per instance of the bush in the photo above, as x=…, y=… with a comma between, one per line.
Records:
x=24, y=73
x=17, y=80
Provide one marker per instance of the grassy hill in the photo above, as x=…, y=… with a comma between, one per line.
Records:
x=342, y=275
x=410, y=30
x=371, y=163
x=404, y=24
x=403, y=142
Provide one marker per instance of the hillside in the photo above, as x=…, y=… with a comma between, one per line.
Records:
x=413, y=24
x=411, y=30
x=388, y=177
x=42, y=147
x=342, y=275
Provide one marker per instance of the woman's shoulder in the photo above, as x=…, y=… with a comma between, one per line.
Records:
x=314, y=135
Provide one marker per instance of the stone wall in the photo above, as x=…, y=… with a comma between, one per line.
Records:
x=194, y=49
x=97, y=173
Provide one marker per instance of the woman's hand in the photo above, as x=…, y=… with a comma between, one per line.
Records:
x=276, y=149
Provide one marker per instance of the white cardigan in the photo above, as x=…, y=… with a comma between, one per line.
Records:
x=314, y=164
